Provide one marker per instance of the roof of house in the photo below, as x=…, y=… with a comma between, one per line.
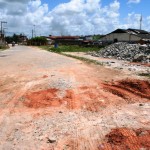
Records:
x=63, y=37
x=140, y=33
x=119, y=31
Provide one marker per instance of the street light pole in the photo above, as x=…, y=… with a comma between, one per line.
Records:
x=2, y=22
x=4, y=33
x=34, y=32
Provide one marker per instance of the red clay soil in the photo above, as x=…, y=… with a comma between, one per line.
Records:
x=84, y=97
x=129, y=89
x=73, y=100
x=90, y=98
x=45, y=76
x=42, y=99
x=126, y=139
x=49, y=98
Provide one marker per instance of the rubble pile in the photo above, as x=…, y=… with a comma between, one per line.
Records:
x=125, y=51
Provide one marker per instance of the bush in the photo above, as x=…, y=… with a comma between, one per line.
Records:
x=3, y=47
x=73, y=48
x=37, y=41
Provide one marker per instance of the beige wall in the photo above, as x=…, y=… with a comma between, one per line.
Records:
x=121, y=37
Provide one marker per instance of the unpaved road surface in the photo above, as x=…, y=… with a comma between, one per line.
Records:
x=52, y=102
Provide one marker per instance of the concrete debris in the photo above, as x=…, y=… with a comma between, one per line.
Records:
x=125, y=51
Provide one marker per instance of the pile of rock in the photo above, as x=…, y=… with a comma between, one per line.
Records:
x=125, y=51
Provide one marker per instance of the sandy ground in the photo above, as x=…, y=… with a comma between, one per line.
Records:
x=52, y=102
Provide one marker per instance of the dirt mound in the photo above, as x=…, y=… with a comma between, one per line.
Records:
x=123, y=139
x=129, y=89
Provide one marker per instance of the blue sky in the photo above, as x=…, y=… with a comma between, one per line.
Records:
x=142, y=7
x=126, y=7
x=54, y=3
x=74, y=17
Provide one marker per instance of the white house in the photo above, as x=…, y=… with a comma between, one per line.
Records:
x=129, y=35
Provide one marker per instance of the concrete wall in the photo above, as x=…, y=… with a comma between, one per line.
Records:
x=121, y=37
x=1, y=43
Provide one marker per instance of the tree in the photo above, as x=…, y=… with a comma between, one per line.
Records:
x=10, y=39
x=37, y=41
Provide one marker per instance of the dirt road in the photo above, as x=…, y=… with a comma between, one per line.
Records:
x=49, y=101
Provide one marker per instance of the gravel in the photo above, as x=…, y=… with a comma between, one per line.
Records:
x=125, y=51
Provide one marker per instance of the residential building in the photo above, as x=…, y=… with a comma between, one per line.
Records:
x=127, y=35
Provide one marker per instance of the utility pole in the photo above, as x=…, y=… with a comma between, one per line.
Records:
x=4, y=33
x=34, y=31
x=2, y=22
x=141, y=22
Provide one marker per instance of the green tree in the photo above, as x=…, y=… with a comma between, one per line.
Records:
x=97, y=37
x=37, y=41
x=10, y=39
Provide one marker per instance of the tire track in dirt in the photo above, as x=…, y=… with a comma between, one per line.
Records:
x=130, y=90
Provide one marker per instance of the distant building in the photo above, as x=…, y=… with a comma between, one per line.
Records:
x=129, y=35
x=65, y=39
x=22, y=39
x=88, y=37
x=49, y=41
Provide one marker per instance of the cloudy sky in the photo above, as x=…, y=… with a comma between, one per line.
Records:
x=73, y=17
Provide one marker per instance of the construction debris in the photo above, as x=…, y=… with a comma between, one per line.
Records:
x=125, y=51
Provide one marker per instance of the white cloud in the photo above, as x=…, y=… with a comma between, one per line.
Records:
x=77, y=17
x=133, y=21
x=134, y=1
x=84, y=17
x=146, y=23
x=33, y=5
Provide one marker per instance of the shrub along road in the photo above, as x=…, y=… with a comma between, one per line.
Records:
x=50, y=101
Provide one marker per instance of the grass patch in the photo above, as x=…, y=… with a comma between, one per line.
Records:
x=89, y=61
x=144, y=75
x=3, y=47
x=45, y=47
x=70, y=48
x=73, y=48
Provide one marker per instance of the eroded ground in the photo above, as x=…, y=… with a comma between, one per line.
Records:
x=49, y=101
